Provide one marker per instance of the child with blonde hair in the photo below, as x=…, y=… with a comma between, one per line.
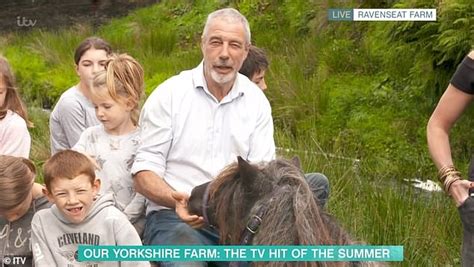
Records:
x=20, y=199
x=15, y=139
x=116, y=93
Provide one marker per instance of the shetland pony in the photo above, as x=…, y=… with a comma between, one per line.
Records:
x=269, y=204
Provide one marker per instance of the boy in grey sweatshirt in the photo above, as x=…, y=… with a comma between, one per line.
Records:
x=78, y=217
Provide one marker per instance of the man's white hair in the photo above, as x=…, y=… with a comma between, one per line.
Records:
x=230, y=15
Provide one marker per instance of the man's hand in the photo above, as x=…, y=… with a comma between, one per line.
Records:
x=460, y=191
x=182, y=210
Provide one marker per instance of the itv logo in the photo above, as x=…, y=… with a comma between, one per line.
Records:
x=340, y=14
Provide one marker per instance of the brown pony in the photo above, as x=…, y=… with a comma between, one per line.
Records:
x=275, y=202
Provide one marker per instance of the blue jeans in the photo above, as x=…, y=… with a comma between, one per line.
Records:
x=164, y=227
x=319, y=185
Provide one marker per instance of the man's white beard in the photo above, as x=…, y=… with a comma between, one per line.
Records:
x=222, y=78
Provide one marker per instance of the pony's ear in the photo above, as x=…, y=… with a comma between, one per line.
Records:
x=247, y=172
x=296, y=161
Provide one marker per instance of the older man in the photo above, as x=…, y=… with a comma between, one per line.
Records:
x=196, y=123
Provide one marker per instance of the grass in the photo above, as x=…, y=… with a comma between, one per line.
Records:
x=340, y=96
x=380, y=210
x=40, y=147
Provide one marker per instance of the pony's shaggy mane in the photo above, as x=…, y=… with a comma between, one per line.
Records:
x=292, y=216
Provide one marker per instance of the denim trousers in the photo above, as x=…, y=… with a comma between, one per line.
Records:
x=319, y=185
x=164, y=227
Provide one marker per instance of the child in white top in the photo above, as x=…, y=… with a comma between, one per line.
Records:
x=15, y=139
x=116, y=94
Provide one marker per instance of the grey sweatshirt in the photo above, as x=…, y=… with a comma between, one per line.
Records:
x=15, y=236
x=55, y=240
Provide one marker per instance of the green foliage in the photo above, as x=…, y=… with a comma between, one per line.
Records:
x=437, y=46
x=40, y=149
x=30, y=70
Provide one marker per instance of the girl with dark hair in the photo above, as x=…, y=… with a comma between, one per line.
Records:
x=74, y=111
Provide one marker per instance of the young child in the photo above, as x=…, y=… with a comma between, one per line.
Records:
x=74, y=111
x=116, y=94
x=15, y=139
x=78, y=217
x=255, y=66
x=20, y=199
